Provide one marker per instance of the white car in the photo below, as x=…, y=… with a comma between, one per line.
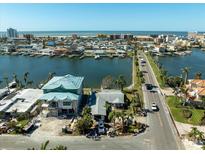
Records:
x=154, y=107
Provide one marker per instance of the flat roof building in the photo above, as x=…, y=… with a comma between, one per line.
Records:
x=12, y=33
x=22, y=102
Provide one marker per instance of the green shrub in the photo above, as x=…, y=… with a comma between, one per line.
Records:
x=187, y=113
x=203, y=120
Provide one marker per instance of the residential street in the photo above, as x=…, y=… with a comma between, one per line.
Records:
x=161, y=131
x=77, y=143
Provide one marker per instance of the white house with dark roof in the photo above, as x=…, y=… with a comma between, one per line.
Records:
x=63, y=94
x=98, y=101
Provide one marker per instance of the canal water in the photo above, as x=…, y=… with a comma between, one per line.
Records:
x=196, y=62
x=39, y=67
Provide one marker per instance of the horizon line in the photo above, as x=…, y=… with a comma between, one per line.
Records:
x=109, y=30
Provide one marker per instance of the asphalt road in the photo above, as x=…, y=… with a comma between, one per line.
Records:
x=161, y=131
x=140, y=142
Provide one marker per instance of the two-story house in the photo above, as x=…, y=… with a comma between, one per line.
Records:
x=63, y=94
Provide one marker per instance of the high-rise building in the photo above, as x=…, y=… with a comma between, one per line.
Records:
x=12, y=33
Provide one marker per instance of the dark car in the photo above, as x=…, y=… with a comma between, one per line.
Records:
x=148, y=86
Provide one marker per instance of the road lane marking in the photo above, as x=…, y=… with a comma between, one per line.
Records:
x=160, y=120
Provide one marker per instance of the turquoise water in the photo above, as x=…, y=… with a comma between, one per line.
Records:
x=93, y=70
x=196, y=62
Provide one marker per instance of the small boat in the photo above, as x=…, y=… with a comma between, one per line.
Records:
x=14, y=53
x=39, y=55
x=203, y=49
x=111, y=56
x=121, y=56
x=63, y=55
x=51, y=55
x=32, y=55
x=97, y=57
x=188, y=52
x=81, y=57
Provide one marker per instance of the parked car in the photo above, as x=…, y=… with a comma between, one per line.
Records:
x=154, y=107
x=101, y=127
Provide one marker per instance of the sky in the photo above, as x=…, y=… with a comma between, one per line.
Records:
x=113, y=17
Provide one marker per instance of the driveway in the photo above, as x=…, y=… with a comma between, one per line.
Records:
x=50, y=126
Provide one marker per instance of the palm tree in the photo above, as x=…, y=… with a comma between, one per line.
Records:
x=108, y=108
x=6, y=79
x=44, y=145
x=44, y=44
x=185, y=71
x=120, y=82
x=163, y=75
x=193, y=133
x=50, y=75
x=198, y=75
x=112, y=115
x=200, y=136
x=16, y=79
x=122, y=115
x=135, y=52
x=185, y=93
x=26, y=78
x=30, y=83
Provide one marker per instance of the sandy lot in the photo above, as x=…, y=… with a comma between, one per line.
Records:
x=51, y=126
x=185, y=129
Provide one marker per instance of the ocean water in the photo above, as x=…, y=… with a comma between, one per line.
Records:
x=94, y=33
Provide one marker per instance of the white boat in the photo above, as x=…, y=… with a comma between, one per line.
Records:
x=97, y=56
x=188, y=52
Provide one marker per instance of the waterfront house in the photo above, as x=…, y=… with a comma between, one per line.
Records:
x=22, y=102
x=46, y=51
x=63, y=94
x=98, y=102
x=60, y=51
x=196, y=89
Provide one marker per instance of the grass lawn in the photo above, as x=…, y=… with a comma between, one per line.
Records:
x=177, y=113
x=156, y=70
